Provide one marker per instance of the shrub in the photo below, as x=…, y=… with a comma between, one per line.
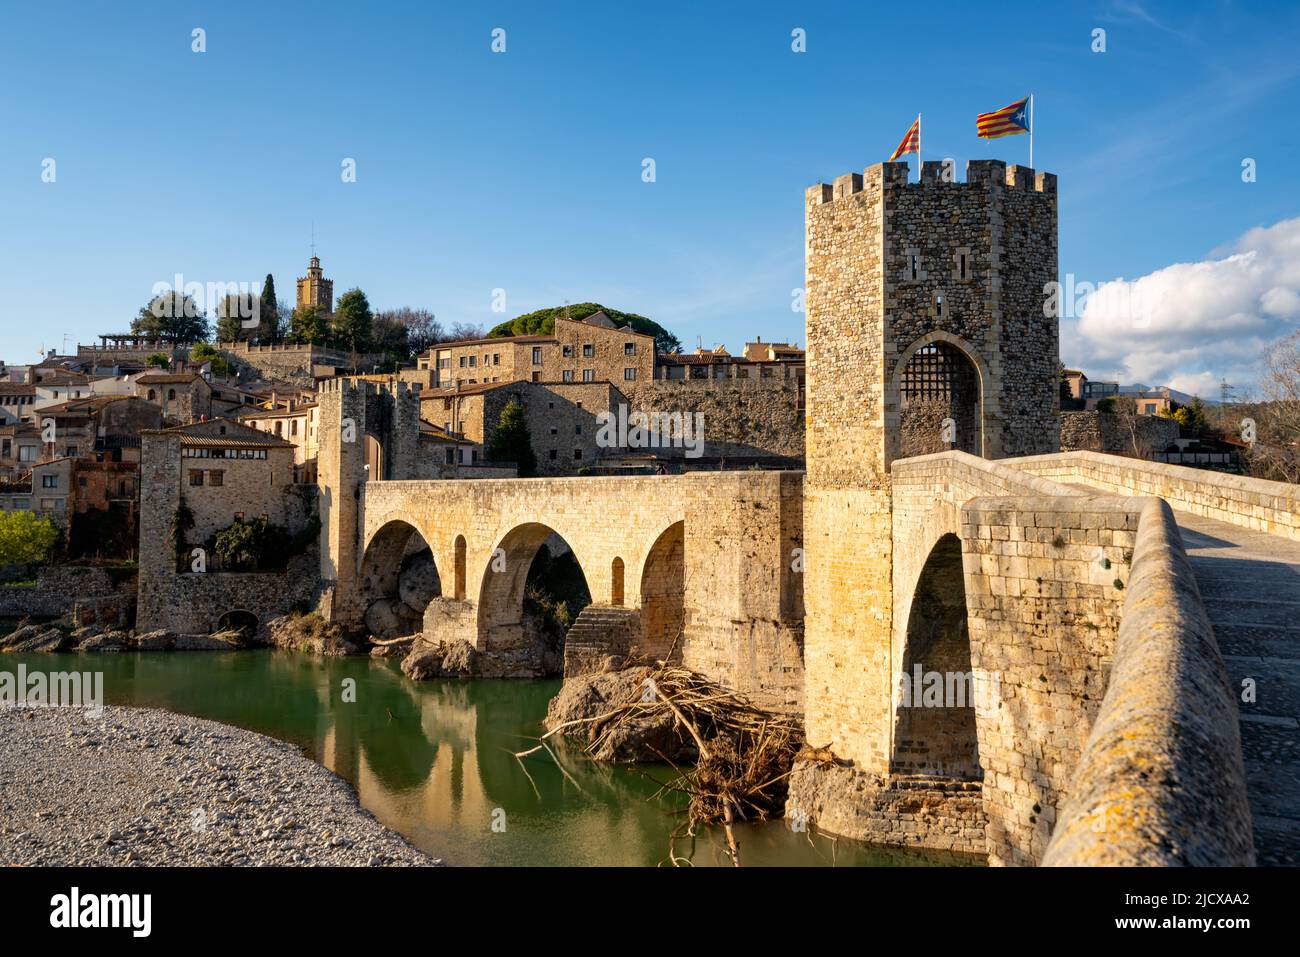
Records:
x=26, y=539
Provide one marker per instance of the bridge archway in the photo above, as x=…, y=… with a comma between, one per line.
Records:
x=936, y=693
x=399, y=578
x=240, y=620
x=937, y=397
x=509, y=620
x=663, y=588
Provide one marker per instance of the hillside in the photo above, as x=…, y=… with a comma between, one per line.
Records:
x=542, y=322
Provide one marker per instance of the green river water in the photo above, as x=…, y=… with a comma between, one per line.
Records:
x=434, y=760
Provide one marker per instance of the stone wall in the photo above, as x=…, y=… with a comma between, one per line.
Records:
x=1160, y=781
x=1266, y=506
x=743, y=418
x=1045, y=589
x=289, y=363
x=61, y=589
x=1106, y=432
x=194, y=603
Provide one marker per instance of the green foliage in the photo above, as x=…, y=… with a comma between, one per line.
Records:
x=307, y=326
x=182, y=522
x=542, y=322
x=171, y=318
x=1190, y=416
x=26, y=539
x=203, y=352
x=248, y=546
x=353, y=320
x=268, y=329
x=510, y=441
x=557, y=591
x=158, y=360
x=1106, y=405
x=260, y=545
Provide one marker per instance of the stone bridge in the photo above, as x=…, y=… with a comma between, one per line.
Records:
x=1058, y=583
x=698, y=566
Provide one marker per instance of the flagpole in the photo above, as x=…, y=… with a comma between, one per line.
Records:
x=918, y=147
x=1031, y=131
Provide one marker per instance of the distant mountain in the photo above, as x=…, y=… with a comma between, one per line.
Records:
x=1182, y=398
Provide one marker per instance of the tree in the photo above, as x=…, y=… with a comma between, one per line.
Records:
x=268, y=327
x=462, y=331
x=238, y=317
x=171, y=318
x=1275, y=453
x=158, y=360
x=542, y=322
x=1125, y=409
x=510, y=442
x=1190, y=416
x=353, y=320
x=204, y=352
x=406, y=332
x=248, y=546
x=26, y=539
x=307, y=326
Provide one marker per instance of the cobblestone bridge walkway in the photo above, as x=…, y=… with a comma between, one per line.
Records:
x=1251, y=585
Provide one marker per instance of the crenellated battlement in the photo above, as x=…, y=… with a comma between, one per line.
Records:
x=986, y=174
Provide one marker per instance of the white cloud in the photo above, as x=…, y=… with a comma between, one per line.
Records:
x=1190, y=324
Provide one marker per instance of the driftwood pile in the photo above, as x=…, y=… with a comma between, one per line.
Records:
x=744, y=754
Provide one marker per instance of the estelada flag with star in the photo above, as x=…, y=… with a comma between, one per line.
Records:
x=911, y=142
x=1007, y=121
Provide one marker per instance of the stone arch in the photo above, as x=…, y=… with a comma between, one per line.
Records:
x=663, y=588
x=241, y=620
x=398, y=579
x=936, y=692
x=616, y=582
x=504, y=627
x=940, y=376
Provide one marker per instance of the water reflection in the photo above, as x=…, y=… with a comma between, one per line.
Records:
x=435, y=760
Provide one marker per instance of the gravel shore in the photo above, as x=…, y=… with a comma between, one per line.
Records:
x=139, y=787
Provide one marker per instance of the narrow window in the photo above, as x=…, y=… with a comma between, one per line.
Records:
x=616, y=582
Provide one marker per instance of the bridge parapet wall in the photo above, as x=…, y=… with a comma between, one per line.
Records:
x=1247, y=502
x=1045, y=580
x=1161, y=780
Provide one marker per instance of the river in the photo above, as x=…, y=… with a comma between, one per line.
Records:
x=434, y=760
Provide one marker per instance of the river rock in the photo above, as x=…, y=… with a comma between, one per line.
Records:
x=459, y=660
x=424, y=661
x=104, y=641
x=203, y=643
x=419, y=584
x=160, y=640
x=651, y=738
x=21, y=635
x=392, y=618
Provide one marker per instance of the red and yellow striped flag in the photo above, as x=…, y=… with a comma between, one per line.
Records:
x=1007, y=121
x=911, y=142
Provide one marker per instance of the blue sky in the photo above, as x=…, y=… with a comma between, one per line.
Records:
x=522, y=170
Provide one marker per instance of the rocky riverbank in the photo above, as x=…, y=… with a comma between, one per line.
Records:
x=139, y=787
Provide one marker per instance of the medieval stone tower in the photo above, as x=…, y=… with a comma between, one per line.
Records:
x=367, y=430
x=315, y=290
x=926, y=331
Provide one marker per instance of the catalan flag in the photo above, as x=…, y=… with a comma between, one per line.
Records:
x=1007, y=121
x=911, y=142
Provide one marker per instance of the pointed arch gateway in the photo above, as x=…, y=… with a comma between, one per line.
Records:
x=937, y=398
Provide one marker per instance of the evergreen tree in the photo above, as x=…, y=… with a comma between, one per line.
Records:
x=510, y=441
x=353, y=320
x=268, y=329
x=308, y=326
x=171, y=317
